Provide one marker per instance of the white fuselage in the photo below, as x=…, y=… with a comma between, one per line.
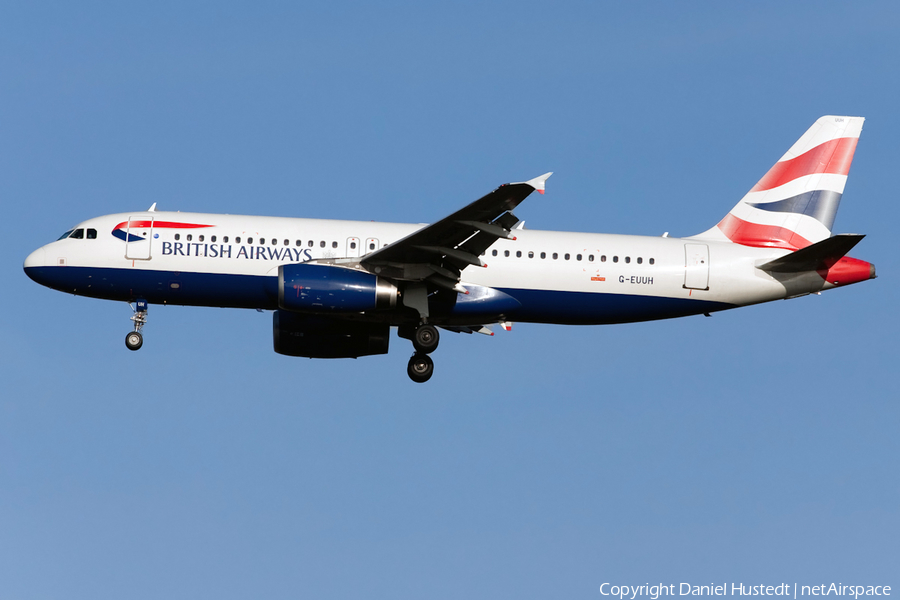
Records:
x=558, y=277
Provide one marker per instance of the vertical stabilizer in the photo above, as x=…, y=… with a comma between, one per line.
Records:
x=794, y=204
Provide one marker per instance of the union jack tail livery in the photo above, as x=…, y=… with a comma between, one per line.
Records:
x=794, y=204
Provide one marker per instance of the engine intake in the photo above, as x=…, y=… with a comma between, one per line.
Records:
x=329, y=289
x=316, y=336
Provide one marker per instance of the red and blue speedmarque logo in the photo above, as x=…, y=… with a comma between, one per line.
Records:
x=124, y=230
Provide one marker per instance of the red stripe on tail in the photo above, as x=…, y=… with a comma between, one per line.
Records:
x=833, y=156
x=760, y=236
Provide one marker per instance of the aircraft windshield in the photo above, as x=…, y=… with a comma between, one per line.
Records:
x=65, y=235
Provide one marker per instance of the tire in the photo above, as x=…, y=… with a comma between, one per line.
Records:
x=426, y=339
x=134, y=340
x=420, y=368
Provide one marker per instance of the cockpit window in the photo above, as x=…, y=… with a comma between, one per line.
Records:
x=65, y=235
x=78, y=234
x=92, y=234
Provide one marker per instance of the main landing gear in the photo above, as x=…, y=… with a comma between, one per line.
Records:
x=425, y=340
x=134, y=340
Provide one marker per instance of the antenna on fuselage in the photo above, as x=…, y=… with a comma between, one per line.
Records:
x=152, y=208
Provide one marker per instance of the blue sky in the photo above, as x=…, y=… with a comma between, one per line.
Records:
x=759, y=445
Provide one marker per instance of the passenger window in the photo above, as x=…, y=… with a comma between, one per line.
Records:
x=275, y=242
x=297, y=243
x=334, y=244
x=353, y=245
x=249, y=240
x=640, y=260
x=567, y=256
x=309, y=243
x=200, y=238
x=530, y=254
x=577, y=257
x=225, y=240
x=321, y=244
x=591, y=257
x=615, y=259
x=555, y=256
x=627, y=259
x=543, y=255
x=652, y=261
x=189, y=237
x=177, y=236
x=506, y=253
x=602, y=258
x=372, y=246
x=237, y=240
x=518, y=254
x=92, y=234
x=287, y=242
x=212, y=239
x=494, y=253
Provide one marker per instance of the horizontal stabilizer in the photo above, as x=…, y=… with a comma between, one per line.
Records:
x=821, y=255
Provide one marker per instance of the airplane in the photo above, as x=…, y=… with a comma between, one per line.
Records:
x=336, y=288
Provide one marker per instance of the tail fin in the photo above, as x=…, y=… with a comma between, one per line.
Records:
x=794, y=204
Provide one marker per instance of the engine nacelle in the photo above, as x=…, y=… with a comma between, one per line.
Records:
x=328, y=289
x=316, y=336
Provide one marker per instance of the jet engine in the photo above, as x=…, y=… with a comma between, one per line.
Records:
x=316, y=336
x=328, y=289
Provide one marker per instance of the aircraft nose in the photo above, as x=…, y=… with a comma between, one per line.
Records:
x=35, y=259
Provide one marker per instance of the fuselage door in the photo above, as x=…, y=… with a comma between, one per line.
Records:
x=371, y=245
x=138, y=237
x=696, y=266
x=352, y=247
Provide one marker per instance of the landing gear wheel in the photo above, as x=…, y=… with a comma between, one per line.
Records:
x=420, y=368
x=134, y=340
x=425, y=339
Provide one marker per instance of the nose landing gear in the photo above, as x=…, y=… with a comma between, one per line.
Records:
x=134, y=340
x=425, y=340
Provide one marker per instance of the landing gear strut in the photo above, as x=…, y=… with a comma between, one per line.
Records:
x=134, y=340
x=425, y=340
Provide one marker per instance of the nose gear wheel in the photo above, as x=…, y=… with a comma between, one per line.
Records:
x=134, y=340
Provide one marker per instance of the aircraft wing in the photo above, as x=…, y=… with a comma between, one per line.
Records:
x=438, y=252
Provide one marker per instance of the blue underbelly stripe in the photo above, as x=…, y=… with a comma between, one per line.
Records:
x=162, y=287
x=257, y=291
x=581, y=308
